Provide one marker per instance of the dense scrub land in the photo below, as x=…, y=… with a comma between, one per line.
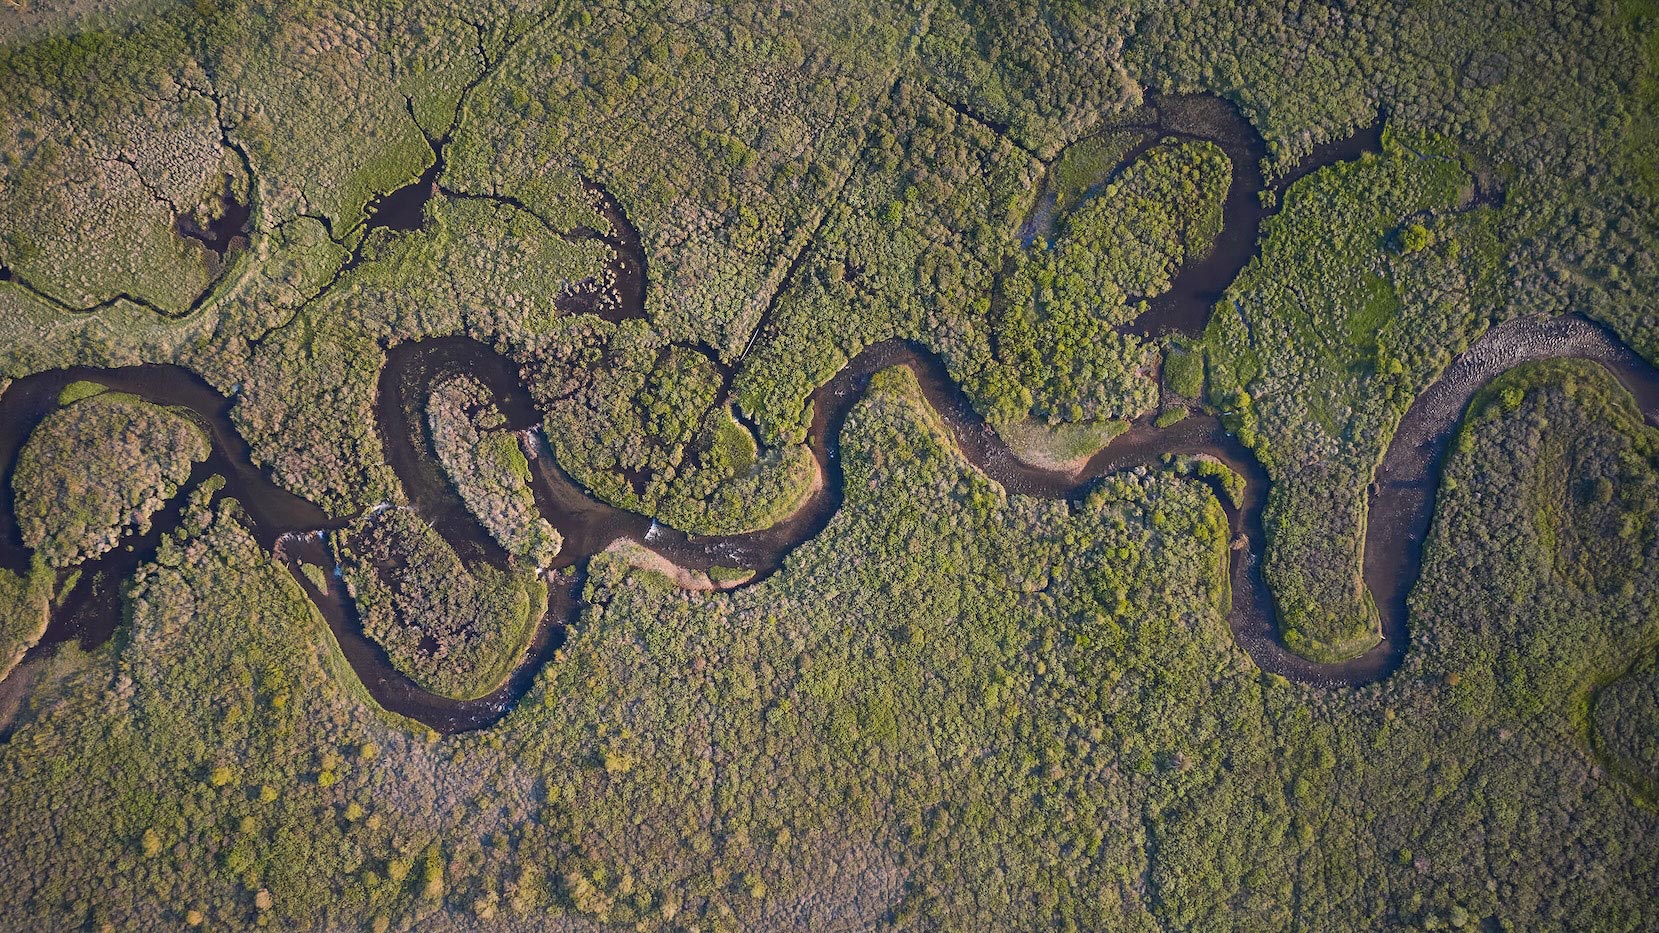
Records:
x=455, y=630
x=1625, y=728
x=334, y=641
x=954, y=702
x=96, y=469
x=25, y=604
x=1370, y=278
x=489, y=470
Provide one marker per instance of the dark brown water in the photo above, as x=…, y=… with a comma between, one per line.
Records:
x=223, y=234
x=224, y=237
x=627, y=269
x=1199, y=284
x=298, y=532
x=621, y=295
x=404, y=209
x=1401, y=502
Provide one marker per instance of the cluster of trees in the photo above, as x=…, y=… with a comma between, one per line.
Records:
x=339, y=104
x=725, y=137
x=1322, y=343
x=1059, y=354
x=1080, y=168
x=646, y=433
x=486, y=466
x=728, y=485
x=1033, y=334
x=109, y=143
x=912, y=249
x=25, y=609
x=227, y=740
x=628, y=428
x=453, y=629
x=1049, y=72
x=1626, y=733
x=1183, y=370
x=483, y=269
x=1162, y=212
x=1528, y=88
x=98, y=468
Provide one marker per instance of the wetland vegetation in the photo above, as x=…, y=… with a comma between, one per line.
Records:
x=487, y=467
x=98, y=468
x=508, y=465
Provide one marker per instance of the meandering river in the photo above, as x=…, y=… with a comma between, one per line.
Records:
x=1401, y=502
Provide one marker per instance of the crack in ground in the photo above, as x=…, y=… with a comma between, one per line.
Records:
x=355, y=239
x=156, y=194
x=793, y=266
x=13, y=277
x=1002, y=131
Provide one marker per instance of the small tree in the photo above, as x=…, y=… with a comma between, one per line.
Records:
x=1415, y=238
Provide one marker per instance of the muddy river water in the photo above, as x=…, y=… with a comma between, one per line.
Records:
x=1401, y=502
